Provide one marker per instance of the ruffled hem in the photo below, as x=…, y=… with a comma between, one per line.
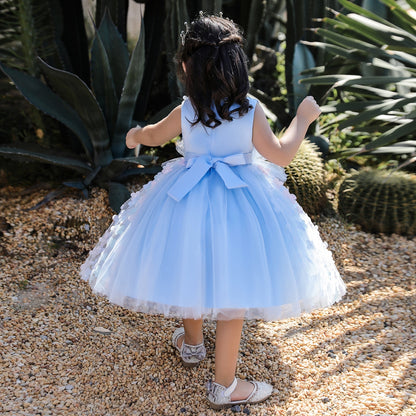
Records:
x=273, y=313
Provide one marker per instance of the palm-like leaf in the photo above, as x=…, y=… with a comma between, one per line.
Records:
x=380, y=106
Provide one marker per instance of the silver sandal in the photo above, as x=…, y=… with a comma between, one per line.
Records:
x=219, y=396
x=191, y=355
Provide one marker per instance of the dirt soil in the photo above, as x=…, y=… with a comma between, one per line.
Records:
x=65, y=351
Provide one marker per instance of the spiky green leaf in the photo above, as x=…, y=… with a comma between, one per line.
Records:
x=116, y=49
x=367, y=48
x=373, y=111
x=103, y=82
x=364, y=12
x=380, y=33
x=41, y=156
x=77, y=94
x=152, y=170
x=392, y=135
x=405, y=18
x=50, y=103
x=118, y=194
x=129, y=95
x=302, y=59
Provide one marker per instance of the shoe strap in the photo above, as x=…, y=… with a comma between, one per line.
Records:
x=192, y=351
x=228, y=391
x=192, y=347
x=256, y=387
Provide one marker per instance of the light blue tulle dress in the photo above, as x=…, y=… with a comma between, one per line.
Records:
x=216, y=235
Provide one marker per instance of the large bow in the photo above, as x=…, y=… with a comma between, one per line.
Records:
x=198, y=165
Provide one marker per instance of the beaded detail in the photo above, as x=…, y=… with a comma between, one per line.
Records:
x=191, y=355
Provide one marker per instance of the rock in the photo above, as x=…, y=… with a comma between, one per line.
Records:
x=331, y=354
x=102, y=331
x=236, y=408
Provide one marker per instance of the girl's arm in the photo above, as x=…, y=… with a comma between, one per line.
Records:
x=156, y=134
x=281, y=152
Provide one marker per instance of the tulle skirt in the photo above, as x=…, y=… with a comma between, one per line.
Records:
x=217, y=253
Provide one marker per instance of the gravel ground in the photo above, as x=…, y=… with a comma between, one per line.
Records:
x=65, y=351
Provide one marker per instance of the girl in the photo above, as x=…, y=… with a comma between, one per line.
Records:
x=216, y=235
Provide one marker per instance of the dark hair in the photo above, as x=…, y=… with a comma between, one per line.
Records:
x=216, y=69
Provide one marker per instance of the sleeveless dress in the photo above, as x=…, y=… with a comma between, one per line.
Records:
x=215, y=235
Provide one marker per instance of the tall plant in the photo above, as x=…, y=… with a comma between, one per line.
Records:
x=99, y=117
x=31, y=28
x=174, y=13
x=373, y=68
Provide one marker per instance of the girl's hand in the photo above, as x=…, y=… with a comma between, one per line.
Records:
x=131, y=140
x=308, y=110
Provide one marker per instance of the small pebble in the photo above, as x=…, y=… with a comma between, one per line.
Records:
x=325, y=400
x=101, y=330
x=246, y=411
x=413, y=361
x=236, y=408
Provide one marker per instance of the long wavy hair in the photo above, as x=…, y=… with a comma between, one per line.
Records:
x=216, y=69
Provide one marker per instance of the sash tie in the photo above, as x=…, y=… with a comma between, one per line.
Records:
x=197, y=167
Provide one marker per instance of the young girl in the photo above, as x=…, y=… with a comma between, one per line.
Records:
x=216, y=235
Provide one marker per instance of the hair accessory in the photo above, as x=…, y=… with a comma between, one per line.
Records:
x=201, y=13
x=220, y=14
x=184, y=32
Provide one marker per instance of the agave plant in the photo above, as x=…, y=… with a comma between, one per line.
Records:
x=373, y=66
x=99, y=117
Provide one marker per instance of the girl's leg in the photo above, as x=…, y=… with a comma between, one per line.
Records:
x=227, y=344
x=193, y=332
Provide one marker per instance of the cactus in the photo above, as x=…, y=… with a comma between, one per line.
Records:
x=306, y=178
x=380, y=201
